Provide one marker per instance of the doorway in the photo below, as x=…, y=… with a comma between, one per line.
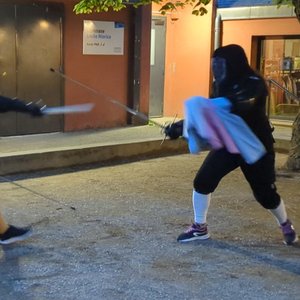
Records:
x=279, y=63
x=157, y=66
x=31, y=44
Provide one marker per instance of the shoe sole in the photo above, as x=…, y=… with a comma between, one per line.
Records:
x=16, y=238
x=194, y=238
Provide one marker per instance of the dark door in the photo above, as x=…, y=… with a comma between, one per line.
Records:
x=8, y=121
x=34, y=46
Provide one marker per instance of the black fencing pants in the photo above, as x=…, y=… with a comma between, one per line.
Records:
x=261, y=175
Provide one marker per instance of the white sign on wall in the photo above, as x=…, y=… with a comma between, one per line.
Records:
x=103, y=38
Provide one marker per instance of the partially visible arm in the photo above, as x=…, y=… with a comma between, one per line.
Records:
x=8, y=104
x=245, y=95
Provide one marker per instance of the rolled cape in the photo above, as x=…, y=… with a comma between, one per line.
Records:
x=210, y=122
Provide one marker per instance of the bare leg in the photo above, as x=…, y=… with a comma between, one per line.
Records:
x=3, y=225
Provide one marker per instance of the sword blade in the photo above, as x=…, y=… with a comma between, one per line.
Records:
x=68, y=109
x=108, y=98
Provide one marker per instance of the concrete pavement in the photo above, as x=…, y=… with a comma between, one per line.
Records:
x=120, y=242
x=55, y=150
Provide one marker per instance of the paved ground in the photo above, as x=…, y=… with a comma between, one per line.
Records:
x=120, y=242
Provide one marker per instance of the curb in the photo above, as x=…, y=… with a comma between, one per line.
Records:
x=282, y=146
x=99, y=154
x=62, y=158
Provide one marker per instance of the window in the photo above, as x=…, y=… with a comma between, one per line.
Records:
x=279, y=63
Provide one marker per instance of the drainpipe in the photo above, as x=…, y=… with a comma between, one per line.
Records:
x=217, y=41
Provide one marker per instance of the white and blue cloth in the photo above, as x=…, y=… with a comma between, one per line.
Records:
x=209, y=121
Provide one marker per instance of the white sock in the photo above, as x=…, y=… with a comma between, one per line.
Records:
x=200, y=203
x=280, y=213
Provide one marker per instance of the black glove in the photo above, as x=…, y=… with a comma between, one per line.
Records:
x=34, y=109
x=174, y=131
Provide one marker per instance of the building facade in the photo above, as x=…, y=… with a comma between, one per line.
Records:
x=36, y=36
x=269, y=35
x=156, y=64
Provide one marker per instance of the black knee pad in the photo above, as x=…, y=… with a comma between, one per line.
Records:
x=203, y=186
x=267, y=196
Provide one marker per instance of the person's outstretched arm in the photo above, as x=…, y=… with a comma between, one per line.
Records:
x=8, y=104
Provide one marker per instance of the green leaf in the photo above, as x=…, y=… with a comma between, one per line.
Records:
x=90, y=6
